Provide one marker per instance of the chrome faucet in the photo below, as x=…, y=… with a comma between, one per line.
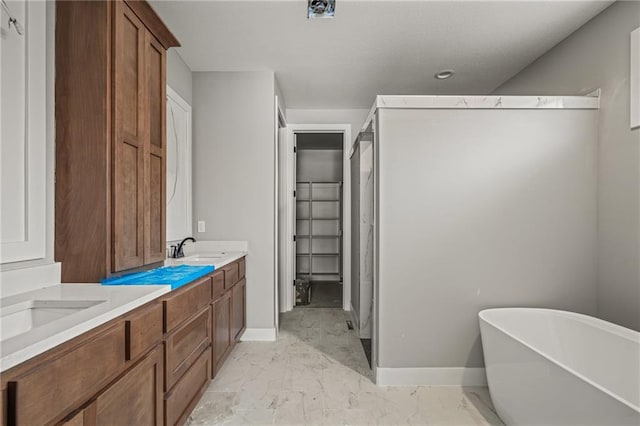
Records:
x=176, y=251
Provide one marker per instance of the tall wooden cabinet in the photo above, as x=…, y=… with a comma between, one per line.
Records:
x=110, y=137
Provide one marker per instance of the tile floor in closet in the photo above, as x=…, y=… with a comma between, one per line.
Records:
x=317, y=373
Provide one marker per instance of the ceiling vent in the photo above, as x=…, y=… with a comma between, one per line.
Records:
x=321, y=8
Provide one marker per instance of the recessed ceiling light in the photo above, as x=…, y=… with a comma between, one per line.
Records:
x=321, y=8
x=444, y=74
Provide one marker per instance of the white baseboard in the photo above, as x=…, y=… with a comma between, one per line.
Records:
x=453, y=376
x=259, y=335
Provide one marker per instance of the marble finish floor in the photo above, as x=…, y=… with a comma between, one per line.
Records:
x=325, y=294
x=316, y=373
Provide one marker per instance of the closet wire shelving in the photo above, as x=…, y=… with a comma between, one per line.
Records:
x=322, y=224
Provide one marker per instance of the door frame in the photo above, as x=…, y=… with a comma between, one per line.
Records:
x=174, y=96
x=286, y=285
x=280, y=126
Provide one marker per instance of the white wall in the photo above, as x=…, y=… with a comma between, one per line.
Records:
x=597, y=56
x=234, y=174
x=179, y=76
x=355, y=117
x=319, y=165
x=479, y=209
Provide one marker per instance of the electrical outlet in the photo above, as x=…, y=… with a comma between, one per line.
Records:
x=201, y=226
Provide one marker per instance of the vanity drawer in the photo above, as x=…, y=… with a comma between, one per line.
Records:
x=45, y=394
x=143, y=331
x=230, y=275
x=185, y=345
x=217, y=284
x=184, y=302
x=184, y=396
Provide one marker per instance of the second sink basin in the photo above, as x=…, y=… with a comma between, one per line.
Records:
x=22, y=317
x=201, y=259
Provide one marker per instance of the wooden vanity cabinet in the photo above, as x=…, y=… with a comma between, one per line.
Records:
x=221, y=329
x=147, y=367
x=95, y=368
x=110, y=137
x=185, y=345
x=187, y=348
x=238, y=300
x=228, y=311
x=136, y=398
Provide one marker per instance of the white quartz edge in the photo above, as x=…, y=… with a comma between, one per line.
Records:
x=482, y=102
x=24, y=347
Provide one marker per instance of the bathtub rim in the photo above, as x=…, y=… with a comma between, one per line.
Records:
x=597, y=322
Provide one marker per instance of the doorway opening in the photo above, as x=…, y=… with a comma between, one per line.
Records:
x=319, y=219
x=316, y=222
x=323, y=187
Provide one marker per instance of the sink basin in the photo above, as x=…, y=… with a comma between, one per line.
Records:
x=201, y=259
x=22, y=317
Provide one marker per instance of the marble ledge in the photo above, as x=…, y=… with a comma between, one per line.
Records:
x=482, y=102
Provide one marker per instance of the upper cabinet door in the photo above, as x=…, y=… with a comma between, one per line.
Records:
x=130, y=139
x=23, y=133
x=155, y=176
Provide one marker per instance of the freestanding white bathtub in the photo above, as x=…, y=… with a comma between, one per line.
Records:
x=548, y=367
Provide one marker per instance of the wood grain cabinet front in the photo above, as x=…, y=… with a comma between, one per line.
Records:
x=217, y=284
x=143, y=330
x=110, y=90
x=129, y=139
x=78, y=419
x=47, y=393
x=186, y=393
x=185, y=345
x=230, y=275
x=183, y=303
x=136, y=398
x=238, y=301
x=241, y=268
x=221, y=329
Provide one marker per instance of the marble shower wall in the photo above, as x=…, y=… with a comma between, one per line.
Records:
x=362, y=239
x=366, y=238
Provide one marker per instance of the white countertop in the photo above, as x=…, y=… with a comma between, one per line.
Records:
x=41, y=284
x=216, y=258
x=116, y=301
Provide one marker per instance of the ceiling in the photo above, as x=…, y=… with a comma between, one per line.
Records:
x=372, y=47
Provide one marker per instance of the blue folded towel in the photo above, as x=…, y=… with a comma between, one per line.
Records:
x=176, y=276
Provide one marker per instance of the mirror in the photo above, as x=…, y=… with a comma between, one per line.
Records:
x=178, y=167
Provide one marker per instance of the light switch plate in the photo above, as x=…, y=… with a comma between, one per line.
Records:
x=201, y=226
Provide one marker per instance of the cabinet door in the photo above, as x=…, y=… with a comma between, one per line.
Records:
x=221, y=328
x=155, y=186
x=129, y=139
x=43, y=395
x=136, y=398
x=238, y=311
x=185, y=345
